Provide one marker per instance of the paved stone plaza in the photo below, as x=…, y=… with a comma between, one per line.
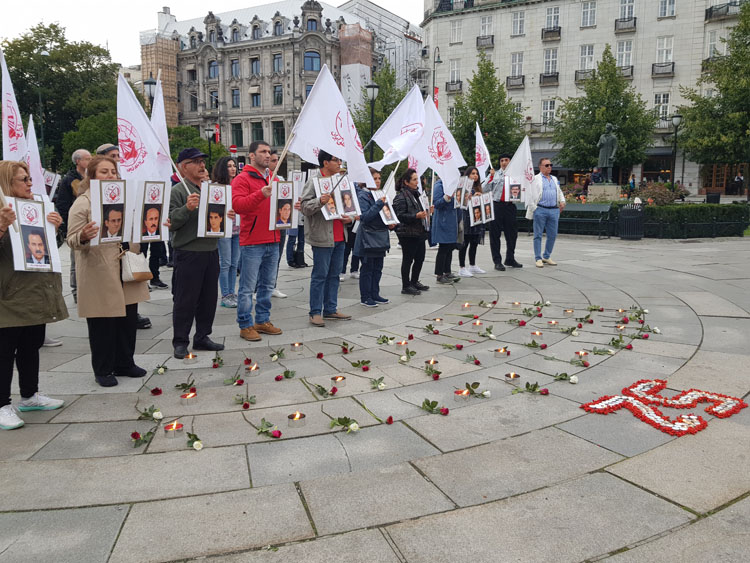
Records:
x=514, y=477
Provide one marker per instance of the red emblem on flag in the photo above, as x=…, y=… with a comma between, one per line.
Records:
x=15, y=125
x=132, y=150
x=336, y=135
x=529, y=172
x=438, y=148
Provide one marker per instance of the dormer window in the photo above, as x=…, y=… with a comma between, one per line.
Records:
x=278, y=28
x=256, y=32
x=212, y=36
x=192, y=42
x=312, y=25
x=235, y=35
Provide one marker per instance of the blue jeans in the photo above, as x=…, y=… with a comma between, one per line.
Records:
x=545, y=220
x=229, y=257
x=369, y=277
x=259, y=266
x=295, y=235
x=324, y=280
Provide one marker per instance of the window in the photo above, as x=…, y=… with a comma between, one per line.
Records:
x=193, y=101
x=278, y=94
x=625, y=53
x=451, y=116
x=235, y=97
x=588, y=14
x=213, y=99
x=664, y=49
x=278, y=29
x=257, y=34
x=193, y=75
x=518, y=23
x=455, y=70
x=587, y=57
x=256, y=131
x=278, y=63
x=211, y=36
x=518, y=108
x=255, y=100
x=312, y=25
x=626, y=9
x=308, y=89
x=235, y=66
x=516, y=64
x=278, y=133
x=254, y=66
x=661, y=105
x=712, y=40
x=553, y=17
x=550, y=60
x=235, y=35
x=192, y=42
x=456, y=31
x=237, y=134
x=312, y=61
x=485, y=26
x=666, y=8
x=548, y=112
x=213, y=69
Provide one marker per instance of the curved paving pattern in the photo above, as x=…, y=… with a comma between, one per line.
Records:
x=514, y=477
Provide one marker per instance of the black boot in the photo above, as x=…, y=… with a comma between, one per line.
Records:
x=299, y=258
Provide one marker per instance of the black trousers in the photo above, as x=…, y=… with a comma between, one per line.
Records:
x=412, y=258
x=443, y=258
x=505, y=221
x=157, y=252
x=349, y=250
x=195, y=289
x=20, y=344
x=471, y=242
x=112, y=342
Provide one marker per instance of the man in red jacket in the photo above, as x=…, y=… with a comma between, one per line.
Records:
x=259, y=245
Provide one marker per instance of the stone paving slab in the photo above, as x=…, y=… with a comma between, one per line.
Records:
x=562, y=523
x=707, y=304
x=25, y=442
x=212, y=524
x=714, y=371
x=726, y=335
x=84, y=535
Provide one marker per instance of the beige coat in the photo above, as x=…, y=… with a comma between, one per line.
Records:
x=101, y=292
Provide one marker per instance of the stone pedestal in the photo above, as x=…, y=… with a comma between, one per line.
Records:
x=604, y=192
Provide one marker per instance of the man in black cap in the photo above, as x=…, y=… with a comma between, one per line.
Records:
x=505, y=218
x=196, y=261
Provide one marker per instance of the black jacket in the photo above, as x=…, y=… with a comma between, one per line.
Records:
x=65, y=195
x=406, y=206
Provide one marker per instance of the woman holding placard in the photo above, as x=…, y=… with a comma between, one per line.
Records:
x=109, y=306
x=472, y=235
x=224, y=172
x=28, y=301
x=411, y=231
x=446, y=231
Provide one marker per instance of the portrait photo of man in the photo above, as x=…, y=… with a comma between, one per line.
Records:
x=35, y=246
x=515, y=192
x=284, y=213
x=112, y=221
x=215, y=223
x=151, y=216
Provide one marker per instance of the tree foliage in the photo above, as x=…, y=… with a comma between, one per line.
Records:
x=185, y=137
x=607, y=98
x=90, y=132
x=486, y=102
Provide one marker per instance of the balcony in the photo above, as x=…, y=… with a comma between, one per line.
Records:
x=664, y=124
x=582, y=75
x=549, y=79
x=542, y=128
x=514, y=82
x=706, y=63
x=551, y=33
x=662, y=70
x=625, y=25
x=453, y=87
x=625, y=72
x=485, y=41
x=724, y=11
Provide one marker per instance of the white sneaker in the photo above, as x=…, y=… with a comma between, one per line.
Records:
x=342, y=277
x=355, y=275
x=39, y=402
x=465, y=273
x=476, y=270
x=51, y=342
x=549, y=261
x=9, y=419
x=277, y=293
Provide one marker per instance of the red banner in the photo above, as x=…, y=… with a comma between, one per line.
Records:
x=217, y=133
x=435, y=96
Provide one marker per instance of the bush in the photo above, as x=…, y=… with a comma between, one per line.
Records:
x=659, y=194
x=698, y=220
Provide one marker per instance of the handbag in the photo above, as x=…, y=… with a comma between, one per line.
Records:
x=375, y=240
x=134, y=267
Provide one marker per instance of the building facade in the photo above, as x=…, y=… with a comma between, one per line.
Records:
x=545, y=49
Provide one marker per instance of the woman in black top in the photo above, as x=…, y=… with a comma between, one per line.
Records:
x=472, y=235
x=411, y=231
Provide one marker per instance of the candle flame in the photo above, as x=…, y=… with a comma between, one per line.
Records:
x=511, y=375
x=253, y=367
x=432, y=361
x=403, y=342
x=552, y=322
x=189, y=395
x=536, y=333
x=297, y=415
x=338, y=378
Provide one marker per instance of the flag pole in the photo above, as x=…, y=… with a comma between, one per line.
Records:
x=283, y=155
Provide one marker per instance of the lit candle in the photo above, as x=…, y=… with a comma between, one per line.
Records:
x=190, y=359
x=501, y=352
x=437, y=321
x=296, y=346
x=477, y=323
x=296, y=419
x=516, y=304
x=466, y=305
x=172, y=429
x=553, y=323
x=568, y=312
x=402, y=343
x=620, y=310
x=189, y=398
x=537, y=334
x=461, y=395
x=620, y=328
x=582, y=353
x=431, y=362
x=339, y=381
x=253, y=370
x=512, y=375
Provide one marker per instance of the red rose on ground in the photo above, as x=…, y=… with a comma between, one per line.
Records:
x=601, y=309
x=539, y=315
x=246, y=405
x=521, y=323
x=365, y=368
x=344, y=350
x=276, y=433
x=320, y=355
x=590, y=321
x=333, y=390
x=135, y=436
x=459, y=346
x=239, y=382
x=410, y=337
x=389, y=420
x=248, y=361
x=645, y=337
x=279, y=377
x=435, y=331
x=542, y=346
x=586, y=364
x=156, y=391
x=641, y=321
x=476, y=316
x=494, y=302
x=544, y=391
x=215, y=365
x=460, y=322
x=580, y=325
x=629, y=347
x=477, y=362
x=538, y=308
x=193, y=390
x=435, y=376
x=625, y=320
x=444, y=411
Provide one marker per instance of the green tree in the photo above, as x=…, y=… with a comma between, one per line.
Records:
x=486, y=102
x=90, y=132
x=77, y=80
x=607, y=98
x=716, y=129
x=185, y=137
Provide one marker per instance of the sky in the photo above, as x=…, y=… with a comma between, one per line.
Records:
x=118, y=24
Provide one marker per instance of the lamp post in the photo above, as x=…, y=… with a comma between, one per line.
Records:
x=676, y=120
x=435, y=61
x=209, y=133
x=41, y=113
x=150, y=85
x=371, y=91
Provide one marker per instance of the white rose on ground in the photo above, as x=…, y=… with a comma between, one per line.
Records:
x=197, y=445
x=492, y=336
x=610, y=352
x=548, y=303
x=353, y=427
x=574, y=333
x=404, y=358
x=486, y=394
x=656, y=330
x=645, y=311
x=274, y=357
x=157, y=415
x=381, y=386
x=573, y=379
x=160, y=371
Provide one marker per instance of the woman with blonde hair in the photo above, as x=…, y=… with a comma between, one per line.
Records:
x=108, y=304
x=28, y=301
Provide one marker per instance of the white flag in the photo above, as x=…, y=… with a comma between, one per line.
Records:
x=437, y=149
x=482, y=155
x=159, y=123
x=139, y=145
x=521, y=167
x=325, y=123
x=14, y=141
x=401, y=131
x=34, y=161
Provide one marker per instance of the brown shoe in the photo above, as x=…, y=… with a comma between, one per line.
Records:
x=250, y=334
x=317, y=320
x=338, y=316
x=266, y=328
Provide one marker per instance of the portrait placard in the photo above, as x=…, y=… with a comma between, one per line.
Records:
x=331, y=210
x=512, y=190
x=349, y=200
x=148, y=223
x=215, y=202
x=283, y=215
x=387, y=214
x=475, y=211
x=33, y=237
x=463, y=192
x=51, y=180
x=110, y=211
x=488, y=210
x=425, y=203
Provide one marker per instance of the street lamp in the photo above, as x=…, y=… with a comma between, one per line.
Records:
x=150, y=85
x=41, y=112
x=371, y=92
x=209, y=133
x=435, y=61
x=676, y=120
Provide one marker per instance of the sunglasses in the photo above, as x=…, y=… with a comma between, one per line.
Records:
x=546, y=166
x=25, y=179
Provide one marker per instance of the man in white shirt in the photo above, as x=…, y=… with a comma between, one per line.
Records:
x=545, y=203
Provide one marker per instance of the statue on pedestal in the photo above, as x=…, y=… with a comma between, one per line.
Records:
x=607, y=146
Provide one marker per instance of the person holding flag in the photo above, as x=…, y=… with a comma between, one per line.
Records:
x=446, y=231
